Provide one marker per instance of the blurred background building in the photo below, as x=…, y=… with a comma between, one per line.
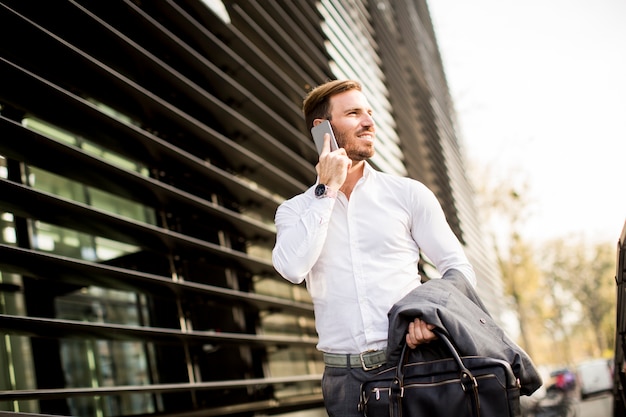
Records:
x=145, y=146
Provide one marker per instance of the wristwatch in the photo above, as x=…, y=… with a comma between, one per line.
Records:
x=322, y=190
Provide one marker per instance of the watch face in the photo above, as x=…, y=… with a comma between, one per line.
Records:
x=320, y=190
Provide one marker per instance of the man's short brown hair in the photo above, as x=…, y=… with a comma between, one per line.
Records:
x=316, y=104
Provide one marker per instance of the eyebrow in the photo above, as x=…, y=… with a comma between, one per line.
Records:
x=359, y=109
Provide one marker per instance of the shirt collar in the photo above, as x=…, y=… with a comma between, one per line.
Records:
x=368, y=170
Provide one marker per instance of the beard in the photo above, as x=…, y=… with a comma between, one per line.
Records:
x=355, y=149
x=357, y=155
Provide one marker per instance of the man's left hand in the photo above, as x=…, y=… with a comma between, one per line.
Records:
x=419, y=332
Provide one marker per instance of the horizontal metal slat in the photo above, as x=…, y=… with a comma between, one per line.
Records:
x=289, y=38
x=232, y=43
x=225, y=55
x=51, y=393
x=18, y=142
x=303, y=20
x=79, y=272
x=254, y=34
x=58, y=328
x=127, y=140
x=242, y=112
x=226, y=110
x=107, y=80
x=254, y=71
x=30, y=203
x=272, y=405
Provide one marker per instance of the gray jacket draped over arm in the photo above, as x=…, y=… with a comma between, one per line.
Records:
x=453, y=306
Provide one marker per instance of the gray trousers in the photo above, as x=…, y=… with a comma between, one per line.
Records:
x=341, y=388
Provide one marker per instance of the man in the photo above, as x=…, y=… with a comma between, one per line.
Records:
x=355, y=237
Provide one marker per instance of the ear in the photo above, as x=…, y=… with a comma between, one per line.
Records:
x=317, y=121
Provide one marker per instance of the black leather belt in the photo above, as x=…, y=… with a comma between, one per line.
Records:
x=369, y=360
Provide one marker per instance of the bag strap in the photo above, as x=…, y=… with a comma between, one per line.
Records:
x=396, y=391
x=468, y=382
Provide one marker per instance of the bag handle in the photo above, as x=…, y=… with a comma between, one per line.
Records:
x=469, y=384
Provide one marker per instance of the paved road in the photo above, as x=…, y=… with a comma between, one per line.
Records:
x=600, y=406
x=596, y=406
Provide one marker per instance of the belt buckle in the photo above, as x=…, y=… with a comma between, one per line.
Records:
x=365, y=367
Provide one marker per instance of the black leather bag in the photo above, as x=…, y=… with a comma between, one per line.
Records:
x=471, y=386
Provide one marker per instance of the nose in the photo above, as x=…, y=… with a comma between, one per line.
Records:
x=368, y=120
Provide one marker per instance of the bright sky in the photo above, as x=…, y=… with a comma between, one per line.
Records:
x=540, y=93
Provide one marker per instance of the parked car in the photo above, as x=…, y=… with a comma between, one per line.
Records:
x=594, y=377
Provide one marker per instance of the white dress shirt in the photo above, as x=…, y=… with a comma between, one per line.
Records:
x=360, y=256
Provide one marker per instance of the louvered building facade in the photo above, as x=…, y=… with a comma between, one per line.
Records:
x=144, y=148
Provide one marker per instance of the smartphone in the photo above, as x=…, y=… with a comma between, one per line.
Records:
x=318, y=133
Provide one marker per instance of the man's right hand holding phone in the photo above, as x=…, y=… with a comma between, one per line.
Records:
x=332, y=168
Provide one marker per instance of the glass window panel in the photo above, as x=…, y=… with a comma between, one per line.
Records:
x=73, y=244
x=72, y=190
x=49, y=130
x=99, y=363
x=55, y=184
